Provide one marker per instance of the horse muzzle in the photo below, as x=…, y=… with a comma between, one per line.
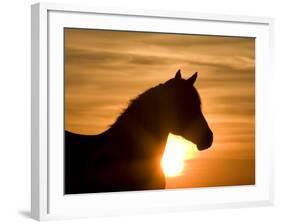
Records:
x=206, y=141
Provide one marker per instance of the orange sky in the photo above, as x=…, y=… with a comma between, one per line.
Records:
x=105, y=69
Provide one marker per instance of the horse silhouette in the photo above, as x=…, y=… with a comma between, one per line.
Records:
x=127, y=156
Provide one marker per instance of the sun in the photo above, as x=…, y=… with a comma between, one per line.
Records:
x=177, y=151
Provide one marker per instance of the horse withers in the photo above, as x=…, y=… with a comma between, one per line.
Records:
x=127, y=156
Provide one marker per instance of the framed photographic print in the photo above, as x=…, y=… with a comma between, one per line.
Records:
x=138, y=111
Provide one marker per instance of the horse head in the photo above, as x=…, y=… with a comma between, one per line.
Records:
x=183, y=114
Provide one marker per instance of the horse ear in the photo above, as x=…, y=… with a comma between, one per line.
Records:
x=178, y=75
x=192, y=79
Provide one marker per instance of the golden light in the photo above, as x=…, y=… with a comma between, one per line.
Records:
x=177, y=151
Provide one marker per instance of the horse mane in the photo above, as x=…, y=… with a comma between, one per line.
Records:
x=135, y=104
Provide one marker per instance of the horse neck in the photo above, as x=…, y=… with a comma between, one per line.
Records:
x=139, y=133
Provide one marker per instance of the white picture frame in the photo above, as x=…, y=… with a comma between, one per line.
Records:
x=47, y=198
